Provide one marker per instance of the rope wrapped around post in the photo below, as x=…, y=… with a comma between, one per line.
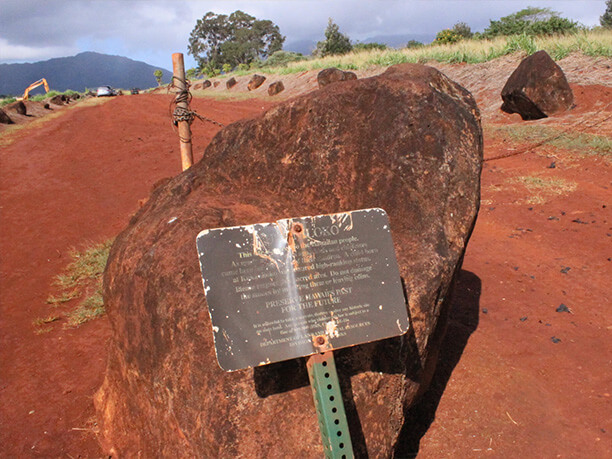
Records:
x=183, y=95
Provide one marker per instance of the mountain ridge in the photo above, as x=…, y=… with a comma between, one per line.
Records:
x=80, y=72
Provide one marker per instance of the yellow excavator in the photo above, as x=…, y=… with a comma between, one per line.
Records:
x=36, y=84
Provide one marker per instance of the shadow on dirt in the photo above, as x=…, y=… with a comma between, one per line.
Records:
x=463, y=320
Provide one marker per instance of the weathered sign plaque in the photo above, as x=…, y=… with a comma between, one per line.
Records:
x=300, y=286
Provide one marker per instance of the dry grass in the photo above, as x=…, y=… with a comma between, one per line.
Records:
x=580, y=143
x=81, y=278
x=544, y=188
x=590, y=43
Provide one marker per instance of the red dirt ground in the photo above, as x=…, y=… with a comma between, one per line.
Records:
x=503, y=388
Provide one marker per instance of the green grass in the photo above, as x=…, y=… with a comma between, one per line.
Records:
x=89, y=309
x=82, y=278
x=591, y=43
x=580, y=142
x=8, y=100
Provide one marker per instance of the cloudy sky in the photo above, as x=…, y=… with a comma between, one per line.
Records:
x=151, y=30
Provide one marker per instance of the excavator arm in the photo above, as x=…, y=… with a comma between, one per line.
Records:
x=36, y=84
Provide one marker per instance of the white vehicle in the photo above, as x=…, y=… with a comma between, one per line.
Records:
x=106, y=91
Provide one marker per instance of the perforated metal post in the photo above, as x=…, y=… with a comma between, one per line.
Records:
x=330, y=408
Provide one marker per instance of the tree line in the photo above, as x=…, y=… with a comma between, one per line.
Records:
x=220, y=42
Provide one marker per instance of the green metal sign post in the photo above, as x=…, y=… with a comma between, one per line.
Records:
x=329, y=405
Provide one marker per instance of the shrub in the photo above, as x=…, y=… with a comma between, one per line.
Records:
x=414, y=44
x=369, y=46
x=463, y=30
x=282, y=58
x=447, y=36
x=531, y=21
x=335, y=42
x=606, y=19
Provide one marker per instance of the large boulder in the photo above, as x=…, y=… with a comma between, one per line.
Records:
x=18, y=107
x=333, y=75
x=408, y=141
x=537, y=88
x=229, y=84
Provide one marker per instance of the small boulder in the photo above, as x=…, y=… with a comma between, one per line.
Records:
x=47, y=106
x=60, y=99
x=256, y=82
x=17, y=107
x=4, y=118
x=537, y=88
x=216, y=83
x=197, y=86
x=231, y=83
x=332, y=75
x=276, y=88
x=206, y=84
x=75, y=96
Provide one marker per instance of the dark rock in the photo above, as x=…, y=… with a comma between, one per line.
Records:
x=60, y=99
x=408, y=141
x=523, y=319
x=552, y=165
x=276, y=88
x=565, y=269
x=555, y=340
x=75, y=96
x=202, y=85
x=563, y=308
x=17, y=107
x=485, y=311
x=216, y=83
x=332, y=75
x=537, y=88
x=4, y=118
x=256, y=81
x=229, y=84
x=47, y=106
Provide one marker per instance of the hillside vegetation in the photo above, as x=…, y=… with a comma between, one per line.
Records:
x=593, y=43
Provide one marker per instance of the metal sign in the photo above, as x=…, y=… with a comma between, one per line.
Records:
x=300, y=286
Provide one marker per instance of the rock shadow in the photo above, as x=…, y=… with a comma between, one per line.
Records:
x=463, y=321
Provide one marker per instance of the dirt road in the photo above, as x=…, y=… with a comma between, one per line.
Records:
x=515, y=378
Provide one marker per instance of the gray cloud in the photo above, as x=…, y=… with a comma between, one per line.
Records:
x=151, y=30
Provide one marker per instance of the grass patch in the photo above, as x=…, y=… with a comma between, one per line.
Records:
x=82, y=278
x=41, y=324
x=581, y=142
x=544, y=187
x=8, y=100
x=89, y=309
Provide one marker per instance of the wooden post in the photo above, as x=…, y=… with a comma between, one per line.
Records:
x=184, y=130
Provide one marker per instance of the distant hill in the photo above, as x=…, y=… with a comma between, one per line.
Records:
x=85, y=70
